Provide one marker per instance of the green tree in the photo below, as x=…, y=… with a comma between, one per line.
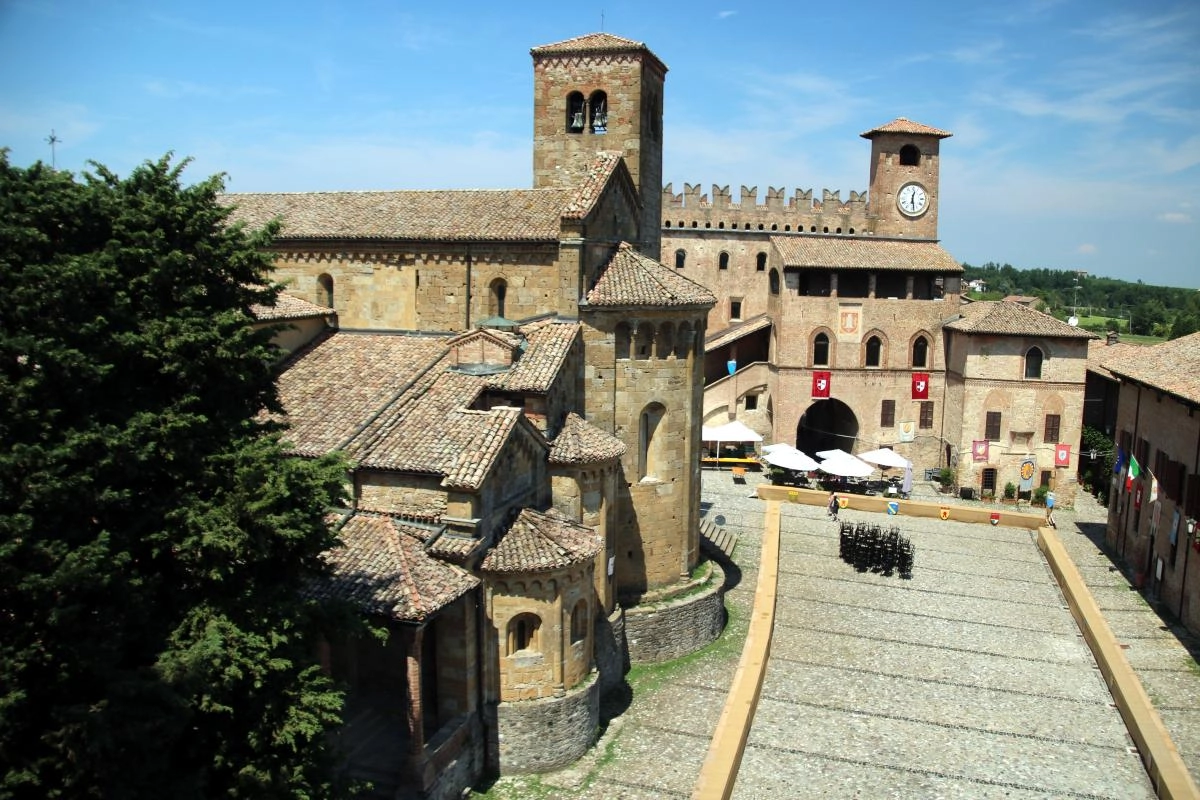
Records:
x=155, y=535
x=1185, y=323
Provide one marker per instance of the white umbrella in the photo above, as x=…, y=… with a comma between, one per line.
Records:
x=791, y=459
x=771, y=448
x=835, y=453
x=847, y=467
x=885, y=458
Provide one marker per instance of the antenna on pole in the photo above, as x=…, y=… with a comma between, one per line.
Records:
x=602, y=20
x=53, y=141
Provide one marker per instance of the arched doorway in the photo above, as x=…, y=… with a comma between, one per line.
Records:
x=827, y=425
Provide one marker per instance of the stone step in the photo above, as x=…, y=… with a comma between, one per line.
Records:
x=717, y=538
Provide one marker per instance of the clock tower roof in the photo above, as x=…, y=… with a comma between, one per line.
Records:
x=905, y=125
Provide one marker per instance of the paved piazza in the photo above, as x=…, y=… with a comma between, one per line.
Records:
x=968, y=681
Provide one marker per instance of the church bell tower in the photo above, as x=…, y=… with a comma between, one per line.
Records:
x=596, y=93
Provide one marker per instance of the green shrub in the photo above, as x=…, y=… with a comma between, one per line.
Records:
x=1010, y=490
x=1039, y=495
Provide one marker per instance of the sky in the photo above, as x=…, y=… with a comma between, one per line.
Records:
x=1076, y=123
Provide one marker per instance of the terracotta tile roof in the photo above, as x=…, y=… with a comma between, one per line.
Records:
x=333, y=388
x=546, y=350
x=1023, y=299
x=735, y=332
x=632, y=279
x=441, y=215
x=289, y=307
x=1000, y=317
x=581, y=442
x=541, y=541
x=858, y=252
x=590, y=43
x=456, y=549
x=1172, y=367
x=433, y=431
x=1100, y=351
x=381, y=565
x=905, y=125
x=589, y=182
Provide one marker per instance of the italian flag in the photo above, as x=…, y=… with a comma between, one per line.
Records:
x=1134, y=471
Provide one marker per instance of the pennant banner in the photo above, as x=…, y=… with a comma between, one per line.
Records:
x=979, y=450
x=920, y=386
x=1062, y=455
x=821, y=381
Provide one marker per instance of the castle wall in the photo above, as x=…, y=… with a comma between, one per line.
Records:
x=696, y=212
x=545, y=734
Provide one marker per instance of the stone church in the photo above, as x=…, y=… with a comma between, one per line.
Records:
x=519, y=382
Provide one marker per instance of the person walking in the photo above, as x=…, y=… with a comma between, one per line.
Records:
x=1050, y=510
x=834, y=505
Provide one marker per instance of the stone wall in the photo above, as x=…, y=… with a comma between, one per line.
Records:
x=658, y=632
x=541, y=735
x=612, y=652
x=457, y=763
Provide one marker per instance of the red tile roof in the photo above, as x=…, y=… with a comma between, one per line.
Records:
x=736, y=331
x=905, y=125
x=1100, y=351
x=580, y=442
x=289, y=307
x=541, y=541
x=1014, y=319
x=438, y=215
x=1172, y=367
x=549, y=343
x=381, y=565
x=632, y=279
x=859, y=252
x=594, y=43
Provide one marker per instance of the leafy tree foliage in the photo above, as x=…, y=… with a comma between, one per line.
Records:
x=155, y=535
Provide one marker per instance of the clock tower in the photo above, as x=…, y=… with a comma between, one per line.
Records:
x=903, y=199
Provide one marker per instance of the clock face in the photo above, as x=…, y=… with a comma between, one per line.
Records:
x=912, y=199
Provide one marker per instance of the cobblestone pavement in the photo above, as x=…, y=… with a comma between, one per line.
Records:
x=969, y=680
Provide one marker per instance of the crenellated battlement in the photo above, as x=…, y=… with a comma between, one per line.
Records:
x=694, y=209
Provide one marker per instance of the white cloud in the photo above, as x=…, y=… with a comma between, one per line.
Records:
x=1087, y=249
x=1175, y=217
x=725, y=14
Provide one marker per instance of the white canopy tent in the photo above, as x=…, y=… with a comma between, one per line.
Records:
x=729, y=432
x=846, y=466
x=888, y=459
x=791, y=459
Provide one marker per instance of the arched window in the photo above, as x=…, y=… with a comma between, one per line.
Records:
x=665, y=341
x=1033, y=362
x=496, y=294
x=644, y=341
x=760, y=262
x=523, y=633
x=579, y=621
x=773, y=277
x=650, y=440
x=575, y=112
x=723, y=261
x=920, y=353
x=621, y=340
x=874, y=351
x=683, y=339
x=325, y=290
x=680, y=258
x=598, y=112
x=910, y=156
x=821, y=350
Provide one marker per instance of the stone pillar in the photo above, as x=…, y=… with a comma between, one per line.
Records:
x=416, y=710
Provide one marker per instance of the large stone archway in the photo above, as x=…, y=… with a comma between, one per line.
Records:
x=827, y=425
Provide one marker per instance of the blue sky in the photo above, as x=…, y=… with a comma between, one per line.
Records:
x=1076, y=122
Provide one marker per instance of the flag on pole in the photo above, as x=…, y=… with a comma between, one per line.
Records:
x=1153, y=488
x=1120, y=463
x=1134, y=472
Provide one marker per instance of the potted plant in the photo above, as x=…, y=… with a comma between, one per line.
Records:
x=946, y=479
x=1039, y=495
x=1010, y=493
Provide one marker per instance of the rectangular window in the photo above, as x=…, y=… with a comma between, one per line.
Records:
x=751, y=402
x=926, y=414
x=735, y=309
x=887, y=414
x=992, y=432
x=988, y=483
x=1052, y=423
